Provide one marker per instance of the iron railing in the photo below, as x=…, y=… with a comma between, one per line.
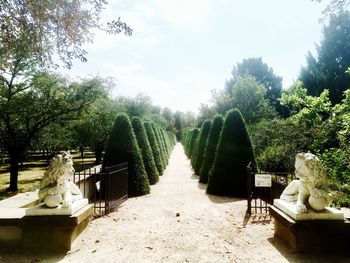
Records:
x=105, y=189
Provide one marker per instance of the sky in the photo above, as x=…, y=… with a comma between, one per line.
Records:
x=181, y=50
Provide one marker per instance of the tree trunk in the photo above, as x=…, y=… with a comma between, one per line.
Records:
x=14, y=160
x=98, y=155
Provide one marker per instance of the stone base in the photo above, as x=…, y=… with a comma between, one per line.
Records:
x=290, y=209
x=53, y=232
x=43, y=210
x=311, y=235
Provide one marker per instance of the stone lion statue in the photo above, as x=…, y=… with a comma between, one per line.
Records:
x=311, y=188
x=55, y=188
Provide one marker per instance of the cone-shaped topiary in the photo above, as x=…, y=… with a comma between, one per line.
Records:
x=233, y=154
x=146, y=151
x=203, y=136
x=160, y=143
x=122, y=147
x=192, y=142
x=155, y=147
x=210, y=148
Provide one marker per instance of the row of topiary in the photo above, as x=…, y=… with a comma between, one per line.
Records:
x=144, y=146
x=220, y=152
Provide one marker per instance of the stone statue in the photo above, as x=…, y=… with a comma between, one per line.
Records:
x=311, y=188
x=55, y=188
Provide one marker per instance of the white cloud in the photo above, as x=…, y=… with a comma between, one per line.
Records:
x=186, y=13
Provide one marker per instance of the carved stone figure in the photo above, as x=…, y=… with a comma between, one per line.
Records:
x=311, y=188
x=55, y=188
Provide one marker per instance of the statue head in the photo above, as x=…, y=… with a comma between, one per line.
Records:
x=309, y=169
x=60, y=168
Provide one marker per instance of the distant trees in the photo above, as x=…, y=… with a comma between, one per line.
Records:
x=328, y=69
x=263, y=74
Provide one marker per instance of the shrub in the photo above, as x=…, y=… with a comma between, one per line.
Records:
x=203, y=136
x=122, y=147
x=277, y=158
x=160, y=144
x=234, y=153
x=192, y=142
x=146, y=150
x=210, y=148
x=155, y=147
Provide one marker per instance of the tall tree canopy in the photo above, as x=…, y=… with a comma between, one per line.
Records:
x=39, y=29
x=263, y=74
x=328, y=69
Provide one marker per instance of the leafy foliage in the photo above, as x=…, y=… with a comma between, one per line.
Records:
x=328, y=69
x=262, y=73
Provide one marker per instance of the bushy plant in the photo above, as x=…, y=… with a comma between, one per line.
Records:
x=203, y=136
x=210, y=148
x=122, y=147
x=277, y=158
x=155, y=147
x=146, y=150
x=234, y=153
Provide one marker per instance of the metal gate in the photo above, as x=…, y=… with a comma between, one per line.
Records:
x=105, y=189
x=263, y=188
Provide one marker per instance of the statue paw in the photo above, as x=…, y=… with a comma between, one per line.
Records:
x=301, y=208
x=67, y=204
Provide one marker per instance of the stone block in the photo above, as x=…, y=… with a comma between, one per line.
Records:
x=54, y=232
x=290, y=209
x=311, y=235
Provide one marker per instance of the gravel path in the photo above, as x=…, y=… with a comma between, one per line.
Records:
x=178, y=222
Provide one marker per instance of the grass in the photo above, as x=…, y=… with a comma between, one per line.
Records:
x=32, y=172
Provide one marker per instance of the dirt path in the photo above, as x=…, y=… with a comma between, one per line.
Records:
x=177, y=222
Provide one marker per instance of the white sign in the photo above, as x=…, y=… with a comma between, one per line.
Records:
x=263, y=180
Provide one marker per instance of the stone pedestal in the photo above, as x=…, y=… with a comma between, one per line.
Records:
x=53, y=232
x=311, y=235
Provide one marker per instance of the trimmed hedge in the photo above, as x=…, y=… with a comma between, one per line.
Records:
x=192, y=142
x=122, y=147
x=210, y=148
x=146, y=151
x=234, y=153
x=203, y=136
x=155, y=147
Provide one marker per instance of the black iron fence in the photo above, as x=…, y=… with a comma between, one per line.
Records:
x=105, y=189
x=263, y=188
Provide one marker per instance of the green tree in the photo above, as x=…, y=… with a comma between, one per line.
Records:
x=122, y=147
x=155, y=147
x=26, y=110
x=210, y=148
x=146, y=150
x=233, y=154
x=32, y=34
x=202, y=141
x=249, y=97
x=328, y=69
x=263, y=74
